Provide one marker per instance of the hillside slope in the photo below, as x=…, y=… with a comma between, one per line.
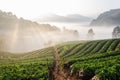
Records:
x=83, y=60
x=71, y=18
x=9, y=21
x=108, y=18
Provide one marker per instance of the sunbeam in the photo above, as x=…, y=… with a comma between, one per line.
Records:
x=14, y=36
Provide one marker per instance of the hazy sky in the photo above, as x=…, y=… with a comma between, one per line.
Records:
x=34, y=8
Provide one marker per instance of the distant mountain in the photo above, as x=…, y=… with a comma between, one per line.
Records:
x=108, y=18
x=72, y=18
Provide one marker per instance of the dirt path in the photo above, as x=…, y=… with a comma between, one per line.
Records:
x=59, y=72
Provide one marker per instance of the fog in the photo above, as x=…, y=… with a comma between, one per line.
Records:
x=19, y=41
x=101, y=32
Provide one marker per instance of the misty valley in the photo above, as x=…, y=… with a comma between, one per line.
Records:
x=77, y=48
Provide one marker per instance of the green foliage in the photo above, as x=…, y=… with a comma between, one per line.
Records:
x=106, y=46
x=107, y=67
x=97, y=57
x=24, y=71
x=113, y=45
x=98, y=47
x=83, y=48
x=91, y=48
x=73, y=50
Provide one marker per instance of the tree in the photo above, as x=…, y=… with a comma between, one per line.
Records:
x=90, y=34
x=116, y=32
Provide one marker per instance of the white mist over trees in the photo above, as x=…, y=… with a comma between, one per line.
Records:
x=21, y=35
x=90, y=34
x=18, y=34
x=116, y=32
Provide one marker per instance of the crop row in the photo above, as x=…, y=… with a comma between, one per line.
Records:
x=77, y=49
x=113, y=45
x=98, y=46
x=106, y=46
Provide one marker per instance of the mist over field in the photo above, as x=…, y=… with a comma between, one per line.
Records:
x=23, y=35
x=101, y=32
x=25, y=41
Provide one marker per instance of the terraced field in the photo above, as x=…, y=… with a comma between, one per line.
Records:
x=85, y=60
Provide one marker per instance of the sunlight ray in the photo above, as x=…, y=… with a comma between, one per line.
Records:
x=14, y=37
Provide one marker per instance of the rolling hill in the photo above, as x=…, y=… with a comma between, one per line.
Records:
x=85, y=60
x=108, y=18
x=71, y=18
